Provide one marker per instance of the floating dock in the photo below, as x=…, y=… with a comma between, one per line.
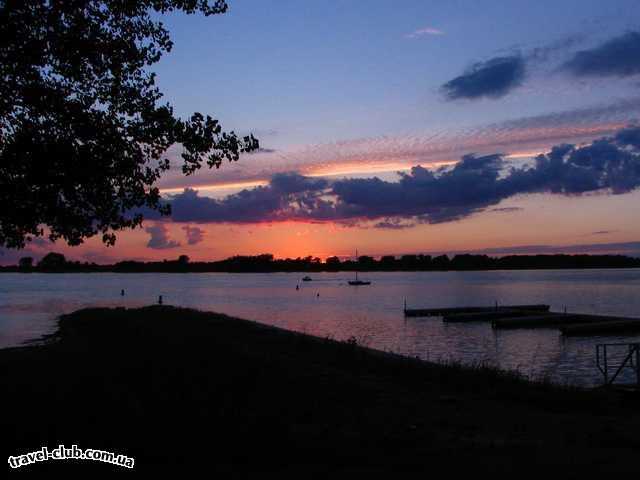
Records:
x=490, y=316
x=443, y=312
x=533, y=316
x=553, y=320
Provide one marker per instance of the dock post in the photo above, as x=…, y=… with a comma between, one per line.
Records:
x=638, y=364
x=630, y=360
x=606, y=365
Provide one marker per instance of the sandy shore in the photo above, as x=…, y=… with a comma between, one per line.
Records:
x=177, y=388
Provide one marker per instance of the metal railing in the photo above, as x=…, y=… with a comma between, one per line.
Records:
x=630, y=360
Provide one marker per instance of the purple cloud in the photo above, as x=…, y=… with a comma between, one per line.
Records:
x=618, y=57
x=447, y=194
x=194, y=235
x=160, y=237
x=493, y=79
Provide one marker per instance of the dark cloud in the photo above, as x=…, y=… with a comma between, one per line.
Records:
x=294, y=183
x=394, y=224
x=629, y=136
x=194, y=234
x=567, y=169
x=425, y=196
x=288, y=195
x=160, y=237
x=618, y=57
x=246, y=206
x=602, y=232
x=443, y=195
x=494, y=78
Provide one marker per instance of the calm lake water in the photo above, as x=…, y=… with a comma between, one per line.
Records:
x=30, y=303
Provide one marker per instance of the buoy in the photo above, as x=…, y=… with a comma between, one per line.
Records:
x=318, y=295
x=297, y=287
x=160, y=300
x=122, y=292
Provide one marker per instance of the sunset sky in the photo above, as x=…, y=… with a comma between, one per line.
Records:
x=402, y=127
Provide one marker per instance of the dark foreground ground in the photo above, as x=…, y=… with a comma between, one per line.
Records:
x=178, y=388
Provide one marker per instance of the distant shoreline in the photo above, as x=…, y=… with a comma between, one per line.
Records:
x=7, y=270
x=266, y=263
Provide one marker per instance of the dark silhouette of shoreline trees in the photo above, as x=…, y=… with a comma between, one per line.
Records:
x=56, y=262
x=83, y=132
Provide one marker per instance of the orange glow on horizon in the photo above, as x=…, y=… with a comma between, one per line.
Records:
x=538, y=220
x=358, y=168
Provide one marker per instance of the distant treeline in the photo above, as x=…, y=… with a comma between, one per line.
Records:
x=56, y=262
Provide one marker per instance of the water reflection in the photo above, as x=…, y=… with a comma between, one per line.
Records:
x=371, y=314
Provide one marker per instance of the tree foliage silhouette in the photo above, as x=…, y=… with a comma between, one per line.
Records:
x=83, y=134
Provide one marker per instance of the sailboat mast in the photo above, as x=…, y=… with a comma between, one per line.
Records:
x=357, y=264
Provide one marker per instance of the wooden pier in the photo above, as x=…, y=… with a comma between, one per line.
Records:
x=612, y=327
x=442, y=312
x=553, y=320
x=490, y=316
x=533, y=316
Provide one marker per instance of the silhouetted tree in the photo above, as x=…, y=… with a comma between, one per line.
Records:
x=388, y=262
x=25, y=263
x=52, y=261
x=83, y=137
x=470, y=262
x=183, y=259
x=409, y=262
x=332, y=262
x=441, y=262
x=365, y=261
x=424, y=262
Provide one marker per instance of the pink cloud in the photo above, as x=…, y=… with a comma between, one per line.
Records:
x=421, y=32
x=518, y=137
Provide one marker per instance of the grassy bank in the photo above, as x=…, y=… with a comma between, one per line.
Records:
x=176, y=387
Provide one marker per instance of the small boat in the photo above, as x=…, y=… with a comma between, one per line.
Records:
x=307, y=279
x=357, y=281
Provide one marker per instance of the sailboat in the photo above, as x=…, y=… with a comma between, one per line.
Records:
x=357, y=281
